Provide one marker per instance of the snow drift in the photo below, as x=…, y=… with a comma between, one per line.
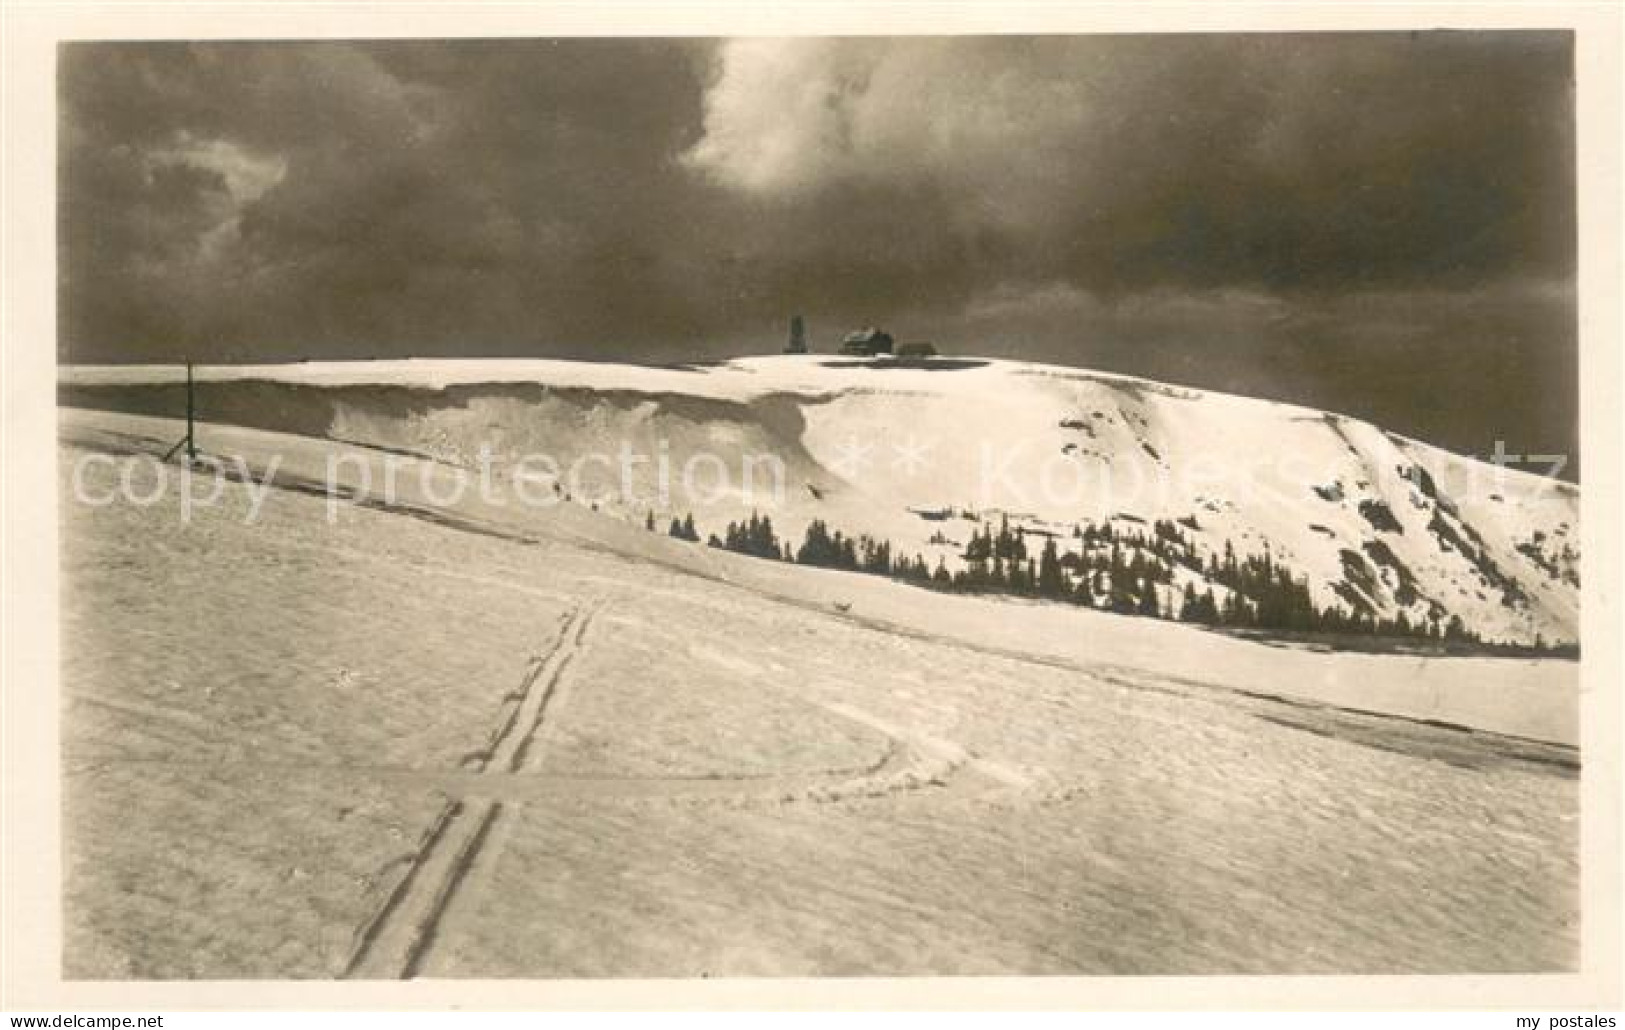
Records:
x=922, y=453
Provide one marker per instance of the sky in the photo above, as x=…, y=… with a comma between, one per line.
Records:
x=1377, y=224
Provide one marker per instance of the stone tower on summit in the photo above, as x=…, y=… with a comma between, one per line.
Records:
x=798, y=336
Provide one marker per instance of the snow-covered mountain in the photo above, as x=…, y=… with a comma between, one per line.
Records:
x=925, y=454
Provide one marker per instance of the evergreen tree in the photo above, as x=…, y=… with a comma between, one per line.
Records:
x=684, y=530
x=1189, y=607
x=1051, y=580
x=1148, y=597
x=818, y=547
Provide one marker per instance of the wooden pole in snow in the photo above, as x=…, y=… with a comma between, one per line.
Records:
x=191, y=411
x=188, y=441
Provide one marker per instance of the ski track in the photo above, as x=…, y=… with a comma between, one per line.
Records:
x=395, y=942
x=398, y=940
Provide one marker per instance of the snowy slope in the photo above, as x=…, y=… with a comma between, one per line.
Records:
x=916, y=453
x=280, y=736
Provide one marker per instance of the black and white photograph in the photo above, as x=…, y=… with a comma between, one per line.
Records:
x=682, y=507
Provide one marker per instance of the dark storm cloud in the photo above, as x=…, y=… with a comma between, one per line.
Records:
x=1356, y=221
x=428, y=200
